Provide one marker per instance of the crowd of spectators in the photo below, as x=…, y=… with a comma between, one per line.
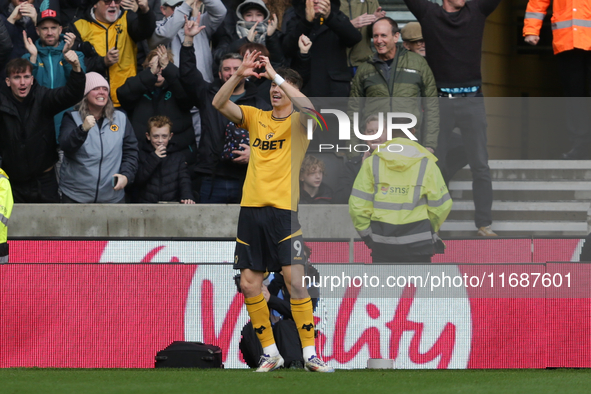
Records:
x=85, y=79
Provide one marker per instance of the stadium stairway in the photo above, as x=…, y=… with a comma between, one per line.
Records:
x=542, y=198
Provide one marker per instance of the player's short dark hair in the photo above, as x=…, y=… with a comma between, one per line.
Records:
x=231, y=55
x=291, y=76
x=18, y=65
x=158, y=122
x=391, y=21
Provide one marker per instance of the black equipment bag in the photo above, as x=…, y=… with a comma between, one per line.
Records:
x=181, y=354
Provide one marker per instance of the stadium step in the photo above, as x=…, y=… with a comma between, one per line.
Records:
x=530, y=198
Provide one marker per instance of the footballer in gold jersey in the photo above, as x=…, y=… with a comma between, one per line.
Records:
x=269, y=237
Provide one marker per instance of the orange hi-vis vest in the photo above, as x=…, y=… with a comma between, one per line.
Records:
x=571, y=23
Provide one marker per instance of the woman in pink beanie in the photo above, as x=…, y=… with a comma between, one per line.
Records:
x=100, y=148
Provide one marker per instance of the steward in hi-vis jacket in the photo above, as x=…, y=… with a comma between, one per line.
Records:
x=399, y=201
x=5, y=211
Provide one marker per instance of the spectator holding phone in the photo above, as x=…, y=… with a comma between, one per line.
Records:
x=100, y=148
x=108, y=35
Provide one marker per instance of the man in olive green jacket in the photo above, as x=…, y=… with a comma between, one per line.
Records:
x=401, y=75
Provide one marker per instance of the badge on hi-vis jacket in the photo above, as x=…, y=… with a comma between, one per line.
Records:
x=114, y=128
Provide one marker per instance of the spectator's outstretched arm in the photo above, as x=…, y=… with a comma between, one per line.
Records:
x=302, y=62
x=59, y=99
x=167, y=29
x=146, y=168
x=129, y=160
x=214, y=15
x=142, y=27
x=192, y=79
x=5, y=45
x=172, y=77
x=488, y=6
x=534, y=17
x=295, y=28
x=419, y=7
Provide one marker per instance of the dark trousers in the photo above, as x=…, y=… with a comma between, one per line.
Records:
x=575, y=75
x=287, y=340
x=469, y=115
x=40, y=190
x=219, y=190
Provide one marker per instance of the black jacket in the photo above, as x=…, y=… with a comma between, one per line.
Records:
x=330, y=75
x=324, y=195
x=162, y=179
x=213, y=123
x=5, y=44
x=28, y=144
x=142, y=100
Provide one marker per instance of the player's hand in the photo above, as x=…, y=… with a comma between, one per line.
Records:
x=121, y=182
x=532, y=40
x=266, y=293
x=252, y=33
x=69, y=39
x=243, y=155
x=162, y=56
x=270, y=72
x=161, y=151
x=379, y=13
x=363, y=20
x=72, y=58
x=249, y=63
x=112, y=57
x=30, y=46
x=305, y=44
x=272, y=25
x=192, y=28
x=189, y=201
x=89, y=123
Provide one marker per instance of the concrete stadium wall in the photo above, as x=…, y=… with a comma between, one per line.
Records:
x=161, y=221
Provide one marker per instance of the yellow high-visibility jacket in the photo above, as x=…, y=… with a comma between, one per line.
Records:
x=399, y=198
x=6, y=203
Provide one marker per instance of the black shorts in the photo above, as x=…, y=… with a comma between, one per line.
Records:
x=268, y=238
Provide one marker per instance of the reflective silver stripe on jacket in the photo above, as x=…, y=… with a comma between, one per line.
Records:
x=404, y=239
x=4, y=220
x=440, y=202
x=535, y=15
x=3, y=176
x=3, y=259
x=376, y=173
x=570, y=23
x=365, y=232
x=362, y=195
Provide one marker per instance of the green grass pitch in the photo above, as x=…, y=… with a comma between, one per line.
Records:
x=145, y=381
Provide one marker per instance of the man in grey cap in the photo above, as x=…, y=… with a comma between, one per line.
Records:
x=412, y=38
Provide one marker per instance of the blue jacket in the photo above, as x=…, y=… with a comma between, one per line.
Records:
x=52, y=70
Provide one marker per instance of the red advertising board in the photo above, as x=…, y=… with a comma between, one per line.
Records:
x=63, y=307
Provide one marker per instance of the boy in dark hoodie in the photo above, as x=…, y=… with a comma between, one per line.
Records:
x=162, y=176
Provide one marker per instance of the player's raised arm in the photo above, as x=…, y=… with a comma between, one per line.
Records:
x=222, y=102
x=303, y=103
